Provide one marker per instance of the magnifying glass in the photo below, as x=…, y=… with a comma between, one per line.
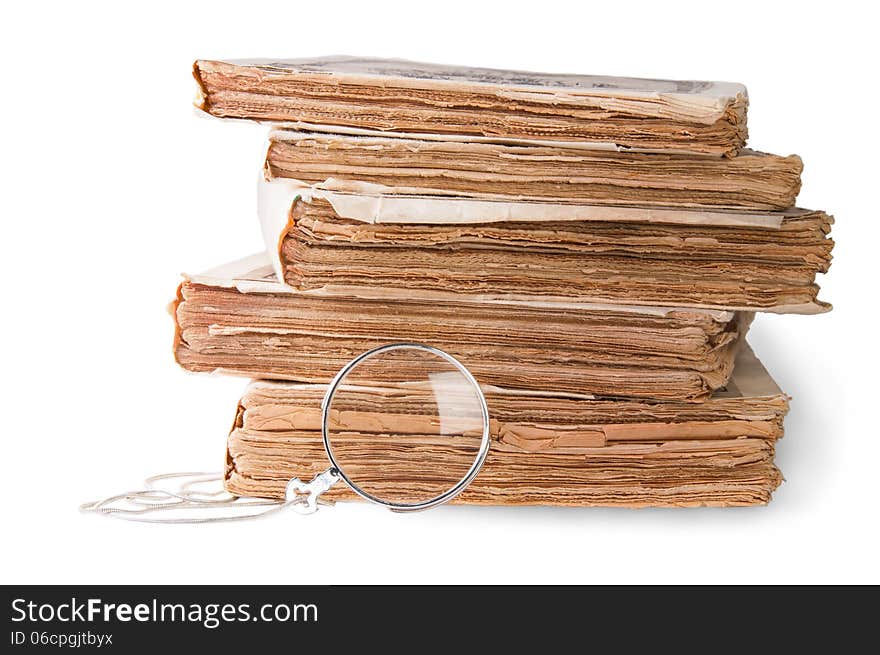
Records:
x=404, y=425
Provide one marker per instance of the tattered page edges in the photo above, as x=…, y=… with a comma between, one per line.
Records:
x=409, y=97
x=443, y=165
x=546, y=449
x=556, y=252
x=239, y=320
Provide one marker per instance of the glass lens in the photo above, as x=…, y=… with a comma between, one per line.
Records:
x=405, y=425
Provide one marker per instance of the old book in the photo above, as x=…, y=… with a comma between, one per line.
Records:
x=240, y=320
x=405, y=97
x=339, y=237
x=436, y=164
x=546, y=449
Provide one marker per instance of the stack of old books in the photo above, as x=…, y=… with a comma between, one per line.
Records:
x=592, y=249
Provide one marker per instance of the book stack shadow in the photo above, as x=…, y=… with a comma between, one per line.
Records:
x=593, y=249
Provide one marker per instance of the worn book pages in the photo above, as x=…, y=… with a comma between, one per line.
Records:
x=398, y=96
x=546, y=449
x=432, y=164
x=338, y=238
x=240, y=320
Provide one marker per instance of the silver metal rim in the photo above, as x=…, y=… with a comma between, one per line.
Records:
x=450, y=493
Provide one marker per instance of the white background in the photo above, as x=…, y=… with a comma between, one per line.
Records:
x=112, y=185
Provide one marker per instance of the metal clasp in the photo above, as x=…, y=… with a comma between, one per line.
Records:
x=303, y=496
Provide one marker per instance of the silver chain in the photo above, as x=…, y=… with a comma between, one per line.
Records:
x=142, y=505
